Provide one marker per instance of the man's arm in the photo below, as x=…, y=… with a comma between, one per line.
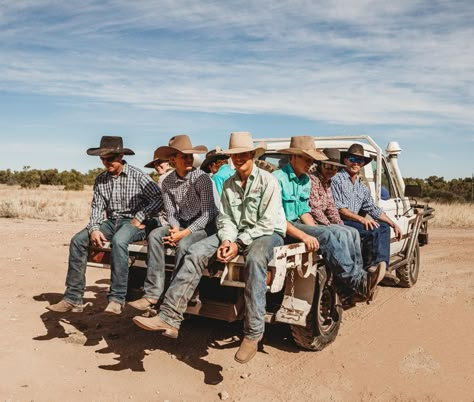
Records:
x=311, y=242
x=226, y=225
x=208, y=206
x=98, y=206
x=384, y=218
x=153, y=199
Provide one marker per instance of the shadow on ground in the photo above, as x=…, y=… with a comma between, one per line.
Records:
x=130, y=343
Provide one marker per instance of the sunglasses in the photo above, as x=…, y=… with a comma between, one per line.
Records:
x=108, y=159
x=330, y=167
x=356, y=159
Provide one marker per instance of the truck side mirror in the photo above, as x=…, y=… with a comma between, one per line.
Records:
x=413, y=190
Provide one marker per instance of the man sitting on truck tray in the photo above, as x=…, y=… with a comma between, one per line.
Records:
x=339, y=246
x=251, y=222
x=128, y=198
x=354, y=202
x=191, y=212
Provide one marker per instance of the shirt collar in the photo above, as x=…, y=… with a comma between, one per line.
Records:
x=187, y=176
x=292, y=175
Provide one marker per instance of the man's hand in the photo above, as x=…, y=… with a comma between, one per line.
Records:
x=227, y=251
x=137, y=224
x=369, y=224
x=311, y=242
x=175, y=236
x=398, y=232
x=97, y=238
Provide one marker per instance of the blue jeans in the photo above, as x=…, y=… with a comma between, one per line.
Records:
x=257, y=256
x=155, y=274
x=377, y=240
x=120, y=233
x=340, y=248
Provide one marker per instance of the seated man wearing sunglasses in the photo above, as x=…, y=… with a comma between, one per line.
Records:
x=124, y=198
x=354, y=202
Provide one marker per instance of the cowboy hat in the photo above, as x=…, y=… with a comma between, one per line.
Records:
x=155, y=160
x=179, y=143
x=110, y=145
x=304, y=145
x=334, y=157
x=212, y=156
x=241, y=141
x=356, y=150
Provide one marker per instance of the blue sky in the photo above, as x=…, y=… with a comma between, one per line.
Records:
x=71, y=72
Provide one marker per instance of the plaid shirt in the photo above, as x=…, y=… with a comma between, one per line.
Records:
x=321, y=201
x=131, y=194
x=353, y=196
x=189, y=200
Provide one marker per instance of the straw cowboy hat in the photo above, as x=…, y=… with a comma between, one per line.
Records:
x=334, y=157
x=179, y=143
x=241, y=141
x=356, y=150
x=110, y=145
x=212, y=156
x=155, y=160
x=304, y=145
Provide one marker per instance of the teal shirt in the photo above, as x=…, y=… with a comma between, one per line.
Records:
x=251, y=213
x=224, y=172
x=294, y=192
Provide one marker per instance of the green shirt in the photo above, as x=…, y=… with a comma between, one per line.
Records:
x=294, y=192
x=255, y=212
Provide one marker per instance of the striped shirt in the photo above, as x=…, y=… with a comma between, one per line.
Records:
x=189, y=200
x=321, y=201
x=353, y=196
x=131, y=194
x=251, y=213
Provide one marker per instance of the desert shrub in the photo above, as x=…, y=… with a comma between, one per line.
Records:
x=72, y=180
x=8, y=210
x=50, y=177
x=29, y=178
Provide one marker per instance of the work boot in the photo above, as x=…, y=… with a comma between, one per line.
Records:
x=156, y=324
x=114, y=308
x=390, y=278
x=64, y=306
x=374, y=278
x=142, y=304
x=247, y=350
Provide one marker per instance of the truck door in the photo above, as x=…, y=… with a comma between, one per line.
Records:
x=390, y=201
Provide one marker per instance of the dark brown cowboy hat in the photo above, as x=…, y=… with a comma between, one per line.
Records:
x=179, y=143
x=304, y=145
x=110, y=145
x=212, y=156
x=356, y=150
x=334, y=157
x=155, y=160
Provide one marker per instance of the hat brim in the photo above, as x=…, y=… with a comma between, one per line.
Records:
x=259, y=150
x=329, y=162
x=312, y=153
x=153, y=162
x=367, y=159
x=216, y=157
x=165, y=152
x=105, y=151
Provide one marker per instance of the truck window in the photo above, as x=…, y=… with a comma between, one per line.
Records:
x=386, y=191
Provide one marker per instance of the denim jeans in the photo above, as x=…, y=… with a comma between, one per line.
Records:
x=340, y=248
x=377, y=240
x=257, y=256
x=155, y=275
x=120, y=233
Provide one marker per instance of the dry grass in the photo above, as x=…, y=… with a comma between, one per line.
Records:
x=453, y=215
x=47, y=202
x=53, y=203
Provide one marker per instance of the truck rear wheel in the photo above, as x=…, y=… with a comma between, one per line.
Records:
x=408, y=274
x=324, y=319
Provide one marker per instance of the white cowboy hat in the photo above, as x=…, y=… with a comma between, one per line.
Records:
x=241, y=141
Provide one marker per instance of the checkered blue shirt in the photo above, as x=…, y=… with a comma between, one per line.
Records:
x=131, y=194
x=355, y=197
x=189, y=200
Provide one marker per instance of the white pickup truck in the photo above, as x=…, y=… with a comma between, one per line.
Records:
x=301, y=291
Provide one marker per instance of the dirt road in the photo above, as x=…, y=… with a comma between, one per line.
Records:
x=410, y=345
